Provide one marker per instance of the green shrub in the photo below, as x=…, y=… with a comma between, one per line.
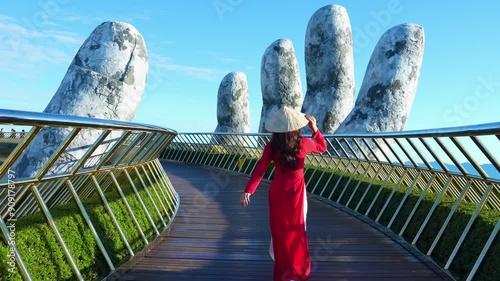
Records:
x=44, y=257
x=472, y=245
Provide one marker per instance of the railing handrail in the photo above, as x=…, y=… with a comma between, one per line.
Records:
x=29, y=118
x=77, y=158
x=480, y=129
x=386, y=177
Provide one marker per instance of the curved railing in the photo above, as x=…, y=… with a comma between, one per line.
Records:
x=436, y=189
x=110, y=165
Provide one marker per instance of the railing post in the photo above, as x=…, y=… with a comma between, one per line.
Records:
x=469, y=224
x=314, y=172
x=484, y=251
x=129, y=148
x=168, y=185
x=31, y=206
x=145, y=187
x=431, y=211
x=379, y=191
x=132, y=184
x=89, y=152
x=129, y=209
x=157, y=145
x=203, y=150
x=89, y=224
x=143, y=148
x=359, y=183
x=18, y=151
x=339, y=160
x=152, y=185
x=59, y=238
x=174, y=195
x=407, y=193
x=56, y=155
x=346, y=186
x=112, y=151
x=450, y=215
x=375, y=177
x=339, y=179
x=322, y=174
x=112, y=215
x=13, y=249
x=429, y=183
x=396, y=187
x=164, y=191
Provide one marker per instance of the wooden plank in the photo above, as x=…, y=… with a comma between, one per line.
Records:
x=214, y=238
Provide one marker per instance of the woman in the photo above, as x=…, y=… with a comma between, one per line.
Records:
x=287, y=194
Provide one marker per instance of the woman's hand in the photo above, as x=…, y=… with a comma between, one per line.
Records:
x=312, y=123
x=245, y=199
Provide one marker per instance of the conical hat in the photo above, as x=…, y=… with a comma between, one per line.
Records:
x=286, y=119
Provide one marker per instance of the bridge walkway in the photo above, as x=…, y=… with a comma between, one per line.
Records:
x=214, y=238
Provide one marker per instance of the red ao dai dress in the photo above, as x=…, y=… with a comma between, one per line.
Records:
x=287, y=210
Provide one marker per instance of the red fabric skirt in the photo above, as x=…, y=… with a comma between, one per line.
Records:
x=287, y=213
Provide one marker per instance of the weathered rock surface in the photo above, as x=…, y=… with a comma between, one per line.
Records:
x=386, y=96
x=280, y=79
x=233, y=110
x=105, y=80
x=329, y=67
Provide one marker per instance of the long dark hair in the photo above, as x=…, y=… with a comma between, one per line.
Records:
x=287, y=145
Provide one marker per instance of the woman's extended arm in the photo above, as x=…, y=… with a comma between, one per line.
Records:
x=257, y=175
x=319, y=145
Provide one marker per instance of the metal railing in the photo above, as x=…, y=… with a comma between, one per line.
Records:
x=413, y=183
x=6, y=136
x=79, y=167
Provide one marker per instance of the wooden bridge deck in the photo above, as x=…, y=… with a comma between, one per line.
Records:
x=214, y=238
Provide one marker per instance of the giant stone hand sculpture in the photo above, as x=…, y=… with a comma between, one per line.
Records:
x=105, y=80
x=233, y=111
x=389, y=86
x=390, y=83
x=329, y=68
x=280, y=79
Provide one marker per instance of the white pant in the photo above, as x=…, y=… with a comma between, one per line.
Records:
x=271, y=249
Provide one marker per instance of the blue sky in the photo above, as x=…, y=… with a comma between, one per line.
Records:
x=192, y=45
